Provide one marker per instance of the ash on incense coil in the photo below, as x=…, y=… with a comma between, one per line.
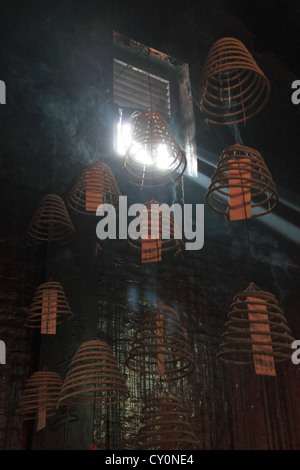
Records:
x=232, y=87
x=160, y=346
x=154, y=158
x=94, y=377
x=96, y=185
x=49, y=304
x=164, y=426
x=256, y=327
x=51, y=221
x=242, y=186
x=41, y=392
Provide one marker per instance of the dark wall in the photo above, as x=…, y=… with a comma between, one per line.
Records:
x=58, y=118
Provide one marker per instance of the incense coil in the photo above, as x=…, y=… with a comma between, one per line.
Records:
x=96, y=185
x=239, y=346
x=94, y=377
x=264, y=196
x=154, y=158
x=41, y=391
x=62, y=308
x=162, y=225
x=164, y=426
x=161, y=337
x=51, y=221
x=232, y=87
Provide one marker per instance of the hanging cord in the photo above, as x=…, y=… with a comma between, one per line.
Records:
x=249, y=263
x=50, y=250
x=242, y=101
x=142, y=47
x=151, y=105
x=53, y=163
x=96, y=136
x=149, y=78
x=221, y=87
x=229, y=98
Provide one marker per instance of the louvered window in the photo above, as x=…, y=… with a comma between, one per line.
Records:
x=143, y=79
x=139, y=89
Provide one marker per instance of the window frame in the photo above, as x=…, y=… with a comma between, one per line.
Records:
x=181, y=120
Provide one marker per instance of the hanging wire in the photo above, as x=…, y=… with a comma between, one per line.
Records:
x=249, y=263
x=150, y=93
x=142, y=47
x=221, y=87
x=229, y=100
x=242, y=101
x=53, y=163
x=149, y=78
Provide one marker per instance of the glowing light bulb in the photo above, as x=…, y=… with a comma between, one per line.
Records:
x=163, y=159
x=124, y=137
x=142, y=156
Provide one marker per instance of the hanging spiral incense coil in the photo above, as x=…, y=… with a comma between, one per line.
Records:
x=96, y=185
x=255, y=326
x=51, y=221
x=160, y=229
x=49, y=299
x=154, y=158
x=94, y=377
x=160, y=346
x=41, y=392
x=242, y=174
x=164, y=426
x=232, y=87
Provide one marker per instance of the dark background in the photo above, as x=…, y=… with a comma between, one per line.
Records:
x=56, y=61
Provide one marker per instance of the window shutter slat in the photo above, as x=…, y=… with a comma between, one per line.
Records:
x=132, y=89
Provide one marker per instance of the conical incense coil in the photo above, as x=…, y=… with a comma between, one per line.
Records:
x=94, y=377
x=49, y=305
x=242, y=186
x=96, y=185
x=41, y=393
x=154, y=158
x=256, y=327
x=232, y=87
x=159, y=232
x=160, y=346
x=164, y=426
x=51, y=221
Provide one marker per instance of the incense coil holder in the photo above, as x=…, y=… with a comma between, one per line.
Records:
x=162, y=223
x=96, y=185
x=41, y=391
x=161, y=342
x=239, y=344
x=235, y=161
x=54, y=293
x=164, y=426
x=94, y=377
x=51, y=221
x=232, y=87
x=154, y=158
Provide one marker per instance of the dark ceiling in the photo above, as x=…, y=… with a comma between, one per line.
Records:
x=275, y=25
